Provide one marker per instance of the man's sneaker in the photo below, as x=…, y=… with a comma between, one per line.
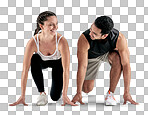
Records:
x=110, y=100
x=42, y=100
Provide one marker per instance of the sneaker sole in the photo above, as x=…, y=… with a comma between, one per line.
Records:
x=41, y=104
x=110, y=104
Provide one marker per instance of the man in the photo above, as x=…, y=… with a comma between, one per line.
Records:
x=103, y=43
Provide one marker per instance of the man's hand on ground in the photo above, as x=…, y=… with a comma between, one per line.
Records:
x=127, y=97
x=77, y=98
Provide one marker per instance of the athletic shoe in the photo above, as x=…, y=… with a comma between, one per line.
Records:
x=42, y=100
x=110, y=100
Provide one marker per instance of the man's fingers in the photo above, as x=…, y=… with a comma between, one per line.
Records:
x=133, y=102
x=124, y=103
x=137, y=103
x=74, y=101
x=81, y=102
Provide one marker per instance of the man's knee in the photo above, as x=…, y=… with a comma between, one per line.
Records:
x=87, y=89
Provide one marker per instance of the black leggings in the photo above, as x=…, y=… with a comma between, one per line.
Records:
x=37, y=64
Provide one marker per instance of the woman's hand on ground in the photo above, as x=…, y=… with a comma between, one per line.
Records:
x=21, y=100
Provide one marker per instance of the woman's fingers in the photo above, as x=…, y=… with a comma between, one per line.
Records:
x=63, y=104
x=67, y=101
x=25, y=104
x=19, y=102
x=71, y=103
x=14, y=104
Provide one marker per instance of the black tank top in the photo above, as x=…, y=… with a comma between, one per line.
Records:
x=100, y=47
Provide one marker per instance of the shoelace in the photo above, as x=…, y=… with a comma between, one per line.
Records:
x=109, y=96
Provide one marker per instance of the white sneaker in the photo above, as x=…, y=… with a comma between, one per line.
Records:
x=42, y=100
x=110, y=100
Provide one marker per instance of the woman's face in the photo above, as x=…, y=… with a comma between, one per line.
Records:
x=50, y=26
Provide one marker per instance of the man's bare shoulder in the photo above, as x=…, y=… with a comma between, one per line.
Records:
x=121, y=36
x=83, y=43
x=121, y=42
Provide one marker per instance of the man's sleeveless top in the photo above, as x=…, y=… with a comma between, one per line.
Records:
x=100, y=47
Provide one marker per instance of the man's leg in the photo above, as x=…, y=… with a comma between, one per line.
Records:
x=91, y=73
x=88, y=86
x=116, y=68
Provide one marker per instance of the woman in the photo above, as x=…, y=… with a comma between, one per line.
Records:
x=51, y=50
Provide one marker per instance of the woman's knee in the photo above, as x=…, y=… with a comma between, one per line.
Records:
x=55, y=97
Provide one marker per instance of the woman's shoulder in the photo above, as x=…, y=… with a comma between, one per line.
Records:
x=31, y=43
x=59, y=36
x=32, y=40
x=34, y=37
x=61, y=40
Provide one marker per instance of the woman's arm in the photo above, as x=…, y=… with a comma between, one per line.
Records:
x=30, y=48
x=65, y=55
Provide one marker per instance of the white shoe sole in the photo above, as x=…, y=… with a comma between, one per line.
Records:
x=110, y=104
x=41, y=104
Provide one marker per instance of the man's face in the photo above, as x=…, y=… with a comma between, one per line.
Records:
x=95, y=33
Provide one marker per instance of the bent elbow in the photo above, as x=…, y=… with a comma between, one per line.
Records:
x=84, y=66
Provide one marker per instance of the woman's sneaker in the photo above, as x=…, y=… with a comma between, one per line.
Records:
x=42, y=100
x=110, y=100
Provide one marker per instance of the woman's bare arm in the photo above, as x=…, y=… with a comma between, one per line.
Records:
x=29, y=50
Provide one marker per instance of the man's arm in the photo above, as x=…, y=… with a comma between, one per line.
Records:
x=125, y=61
x=124, y=54
x=82, y=54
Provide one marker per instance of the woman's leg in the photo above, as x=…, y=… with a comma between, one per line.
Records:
x=57, y=80
x=36, y=71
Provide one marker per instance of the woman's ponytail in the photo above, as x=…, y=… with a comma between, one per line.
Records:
x=37, y=29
